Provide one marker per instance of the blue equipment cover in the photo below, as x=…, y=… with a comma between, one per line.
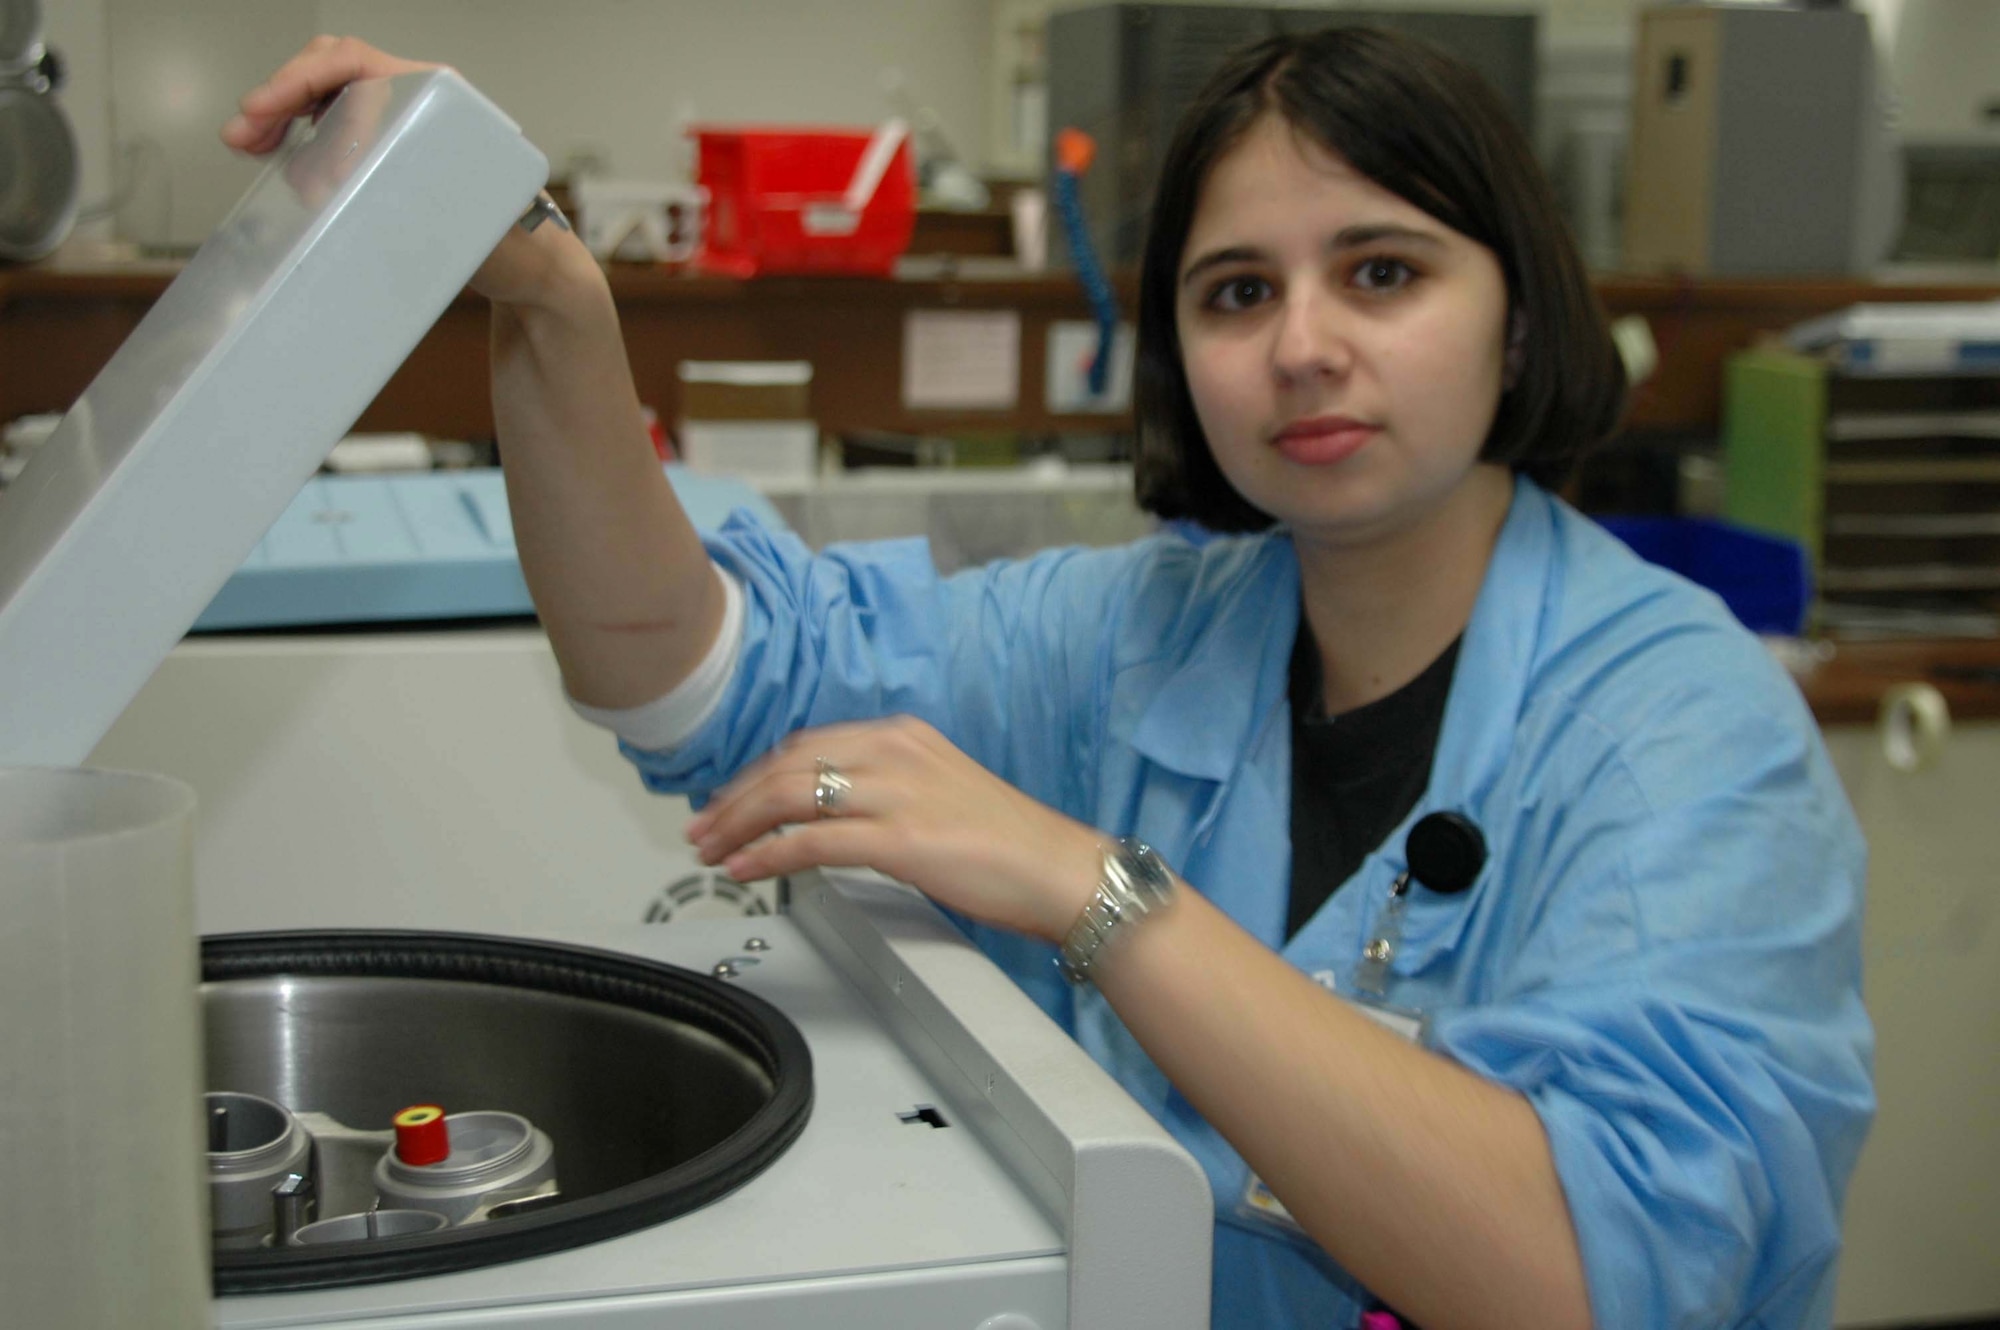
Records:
x=423, y=545
x=1765, y=580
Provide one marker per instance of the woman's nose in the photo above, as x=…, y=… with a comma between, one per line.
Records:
x=1312, y=342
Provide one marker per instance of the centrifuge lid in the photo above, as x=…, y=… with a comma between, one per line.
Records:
x=227, y=396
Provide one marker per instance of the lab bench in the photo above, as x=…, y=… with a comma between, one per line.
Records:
x=1848, y=688
x=60, y=324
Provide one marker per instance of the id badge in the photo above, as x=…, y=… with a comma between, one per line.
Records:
x=1404, y=1022
x=1258, y=1202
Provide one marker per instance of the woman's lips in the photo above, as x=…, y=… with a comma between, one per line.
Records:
x=1323, y=440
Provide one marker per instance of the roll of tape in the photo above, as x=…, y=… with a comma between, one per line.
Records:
x=1633, y=337
x=1915, y=723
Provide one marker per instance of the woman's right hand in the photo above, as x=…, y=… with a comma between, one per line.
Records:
x=522, y=269
x=302, y=84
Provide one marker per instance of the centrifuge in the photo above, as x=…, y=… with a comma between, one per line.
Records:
x=841, y=1114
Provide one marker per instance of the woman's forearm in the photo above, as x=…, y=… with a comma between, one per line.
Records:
x=1435, y=1188
x=616, y=570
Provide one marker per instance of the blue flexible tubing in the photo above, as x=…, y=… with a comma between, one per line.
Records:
x=1090, y=273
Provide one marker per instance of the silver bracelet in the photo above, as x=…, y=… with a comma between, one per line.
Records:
x=1134, y=885
x=543, y=209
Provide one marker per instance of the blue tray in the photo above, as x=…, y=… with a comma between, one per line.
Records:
x=1765, y=580
x=426, y=545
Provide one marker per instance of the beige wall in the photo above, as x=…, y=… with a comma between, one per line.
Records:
x=1923, y=1216
x=1945, y=63
x=608, y=78
x=617, y=77
x=614, y=79
x=76, y=29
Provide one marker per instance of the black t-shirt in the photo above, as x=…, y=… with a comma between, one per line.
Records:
x=1354, y=776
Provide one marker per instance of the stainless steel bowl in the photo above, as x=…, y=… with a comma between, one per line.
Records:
x=662, y=1089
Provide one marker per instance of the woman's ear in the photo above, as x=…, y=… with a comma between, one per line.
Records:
x=1517, y=351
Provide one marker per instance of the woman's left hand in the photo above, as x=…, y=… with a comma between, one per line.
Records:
x=915, y=808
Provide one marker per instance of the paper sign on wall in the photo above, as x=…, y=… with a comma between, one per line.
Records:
x=961, y=359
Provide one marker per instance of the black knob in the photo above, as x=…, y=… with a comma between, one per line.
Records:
x=1446, y=852
x=52, y=70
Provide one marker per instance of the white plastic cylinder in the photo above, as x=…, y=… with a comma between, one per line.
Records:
x=103, y=1201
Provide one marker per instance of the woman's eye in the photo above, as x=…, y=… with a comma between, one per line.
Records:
x=1384, y=275
x=1239, y=293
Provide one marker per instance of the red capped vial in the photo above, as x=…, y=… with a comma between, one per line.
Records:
x=421, y=1135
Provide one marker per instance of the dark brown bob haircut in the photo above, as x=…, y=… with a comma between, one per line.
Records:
x=1428, y=128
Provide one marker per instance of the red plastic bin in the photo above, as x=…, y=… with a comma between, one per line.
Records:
x=802, y=201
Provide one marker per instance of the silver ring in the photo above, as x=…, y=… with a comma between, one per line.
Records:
x=830, y=789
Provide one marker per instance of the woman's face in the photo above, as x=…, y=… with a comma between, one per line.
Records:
x=1344, y=349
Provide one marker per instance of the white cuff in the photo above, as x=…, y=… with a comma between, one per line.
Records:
x=666, y=722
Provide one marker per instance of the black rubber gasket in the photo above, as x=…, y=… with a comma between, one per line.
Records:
x=742, y=1020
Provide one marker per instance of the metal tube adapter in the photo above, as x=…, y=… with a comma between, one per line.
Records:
x=291, y=1204
x=262, y=1144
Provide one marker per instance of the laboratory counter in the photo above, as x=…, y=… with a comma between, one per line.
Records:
x=1849, y=688
x=60, y=322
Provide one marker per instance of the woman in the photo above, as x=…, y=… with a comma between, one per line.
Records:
x=1639, y=1074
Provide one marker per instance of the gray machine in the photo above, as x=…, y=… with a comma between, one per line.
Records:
x=1759, y=143
x=1124, y=74
x=845, y=1115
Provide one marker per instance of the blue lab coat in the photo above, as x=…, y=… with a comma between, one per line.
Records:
x=1662, y=952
